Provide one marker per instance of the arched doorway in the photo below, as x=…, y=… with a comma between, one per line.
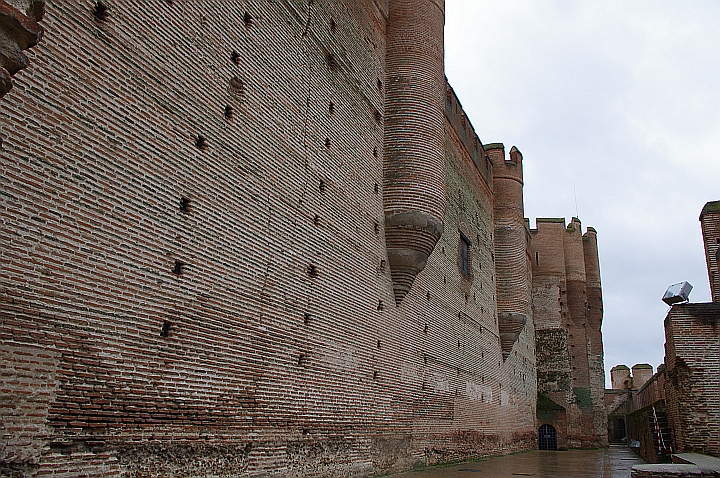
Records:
x=547, y=438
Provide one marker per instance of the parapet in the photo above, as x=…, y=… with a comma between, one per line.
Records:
x=510, y=168
x=466, y=132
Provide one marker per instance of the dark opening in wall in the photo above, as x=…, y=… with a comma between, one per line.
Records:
x=375, y=152
x=375, y=375
x=200, y=142
x=235, y=56
x=379, y=344
x=328, y=143
x=312, y=271
x=322, y=186
x=331, y=108
x=165, y=329
x=101, y=12
x=302, y=360
x=428, y=295
x=378, y=117
x=425, y=330
x=237, y=86
x=333, y=25
x=331, y=61
x=184, y=204
x=248, y=20
x=377, y=188
x=307, y=318
x=379, y=84
x=316, y=220
x=229, y=112
x=377, y=228
x=383, y=265
x=178, y=268
x=380, y=306
x=537, y=258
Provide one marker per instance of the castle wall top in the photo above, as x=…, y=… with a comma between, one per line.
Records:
x=459, y=121
x=505, y=168
x=712, y=207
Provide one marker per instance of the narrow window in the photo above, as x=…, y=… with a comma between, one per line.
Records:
x=537, y=258
x=464, y=254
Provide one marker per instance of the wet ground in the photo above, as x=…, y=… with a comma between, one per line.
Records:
x=613, y=462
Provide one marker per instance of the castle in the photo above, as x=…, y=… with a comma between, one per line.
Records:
x=263, y=238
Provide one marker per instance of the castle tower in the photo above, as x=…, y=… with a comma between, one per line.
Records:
x=414, y=138
x=593, y=331
x=511, y=265
x=641, y=373
x=576, y=302
x=620, y=377
x=710, y=223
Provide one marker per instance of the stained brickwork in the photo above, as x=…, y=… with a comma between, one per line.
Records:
x=264, y=238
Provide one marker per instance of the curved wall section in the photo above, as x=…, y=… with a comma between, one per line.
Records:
x=414, y=159
x=511, y=267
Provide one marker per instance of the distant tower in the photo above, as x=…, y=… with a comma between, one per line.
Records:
x=620, y=377
x=414, y=138
x=512, y=277
x=710, y=223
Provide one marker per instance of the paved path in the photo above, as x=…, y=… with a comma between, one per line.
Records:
x=613, y=462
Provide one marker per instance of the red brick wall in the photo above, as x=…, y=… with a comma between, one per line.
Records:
x=692, y=389
x=278, y=346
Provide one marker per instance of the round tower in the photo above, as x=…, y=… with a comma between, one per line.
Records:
x=620, y=377
x=575, y=283
x=511, y=264
x=641, y=373
x=593, y=290
x=414, y=138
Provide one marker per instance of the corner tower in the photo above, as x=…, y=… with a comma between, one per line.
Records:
x=511, y=262
x=414, y=138
x=710, y=223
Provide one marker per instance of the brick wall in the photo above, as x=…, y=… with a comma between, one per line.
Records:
x=194, y=259
x=692, y=389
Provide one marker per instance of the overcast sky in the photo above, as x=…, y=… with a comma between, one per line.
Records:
x=622, y=100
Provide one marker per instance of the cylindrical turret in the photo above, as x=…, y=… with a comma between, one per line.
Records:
x=710, y=224
x=414, y=138
x=511, y=264
x=620, y=377
x=593, y=290
x=641, y=373
x=576, y=301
